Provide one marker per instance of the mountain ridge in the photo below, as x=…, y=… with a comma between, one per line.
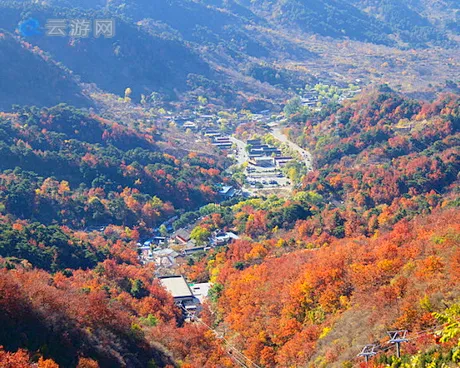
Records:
x=180, y=47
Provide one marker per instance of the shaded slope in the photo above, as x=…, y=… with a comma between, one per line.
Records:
x=133, y=58
x=29, y=78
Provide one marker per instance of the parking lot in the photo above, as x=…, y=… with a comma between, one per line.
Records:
x=266, y=177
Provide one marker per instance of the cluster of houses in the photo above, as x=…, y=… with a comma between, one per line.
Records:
x=312, y=97
x=190, y=119
x=217, y=139
x=264, y=155
x=182, y=237
x=167, y=253
x=196, y=122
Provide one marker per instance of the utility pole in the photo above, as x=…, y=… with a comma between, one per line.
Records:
x=398, y=337
x=368, y=352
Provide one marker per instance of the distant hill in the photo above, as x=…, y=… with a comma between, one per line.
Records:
x=365, y=20
x=382, y=22
x=413, y=21
x=29, y=77
x=238, y=50
x=331, y=18
x=132, y=58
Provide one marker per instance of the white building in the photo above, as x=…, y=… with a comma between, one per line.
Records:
x=201, y=291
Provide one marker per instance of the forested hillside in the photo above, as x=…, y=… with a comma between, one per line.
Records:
x=318, y=308
x=370, y=244
x=384, y=150
x=62, y=166
x=29, y=77
x=410, y=15
x=77, y=192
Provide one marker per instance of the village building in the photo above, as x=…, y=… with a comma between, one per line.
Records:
x=254, y=142
x=281, y=161
x=182, y=236
x=193, y=249
x=145, y=253
x=190, y=125
x=156, y=241
x=181, y=292
x=263, y=161
x=201, y=291
x=227, y=192
x=164, y=258
x=212, y=133
x=223, y=238
x=222, y=142
x=177, y=286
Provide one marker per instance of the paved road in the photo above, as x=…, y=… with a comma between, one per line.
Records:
x=242, y=155
x=306, y=156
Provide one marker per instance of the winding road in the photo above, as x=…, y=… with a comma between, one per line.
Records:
x=242, y=155
x=306, y=156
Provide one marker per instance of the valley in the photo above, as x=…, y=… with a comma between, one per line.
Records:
x=229, y=183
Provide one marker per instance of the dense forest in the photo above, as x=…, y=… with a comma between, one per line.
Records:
x=76, y=295
x=368, y=243
x=63, y=166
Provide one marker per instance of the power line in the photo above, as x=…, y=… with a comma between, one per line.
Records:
x=227, y=342
x=233, y=348
x=237, y=360
x=239, y=357
x=424, y=332
x=397, y=337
